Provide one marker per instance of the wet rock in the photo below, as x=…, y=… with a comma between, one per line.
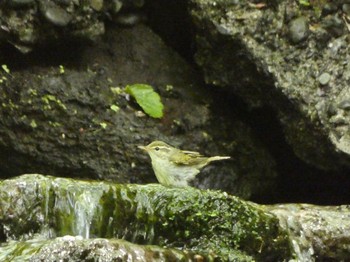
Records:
x=144, y=214
x=70, y=248
x=307, y=225
x=65, y=218
x=298, y=29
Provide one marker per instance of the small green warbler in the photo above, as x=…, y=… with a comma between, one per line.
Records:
x=175, y=167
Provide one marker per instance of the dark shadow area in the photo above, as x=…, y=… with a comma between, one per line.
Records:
x=297, y=181
x=169, y=19
x=64, y=52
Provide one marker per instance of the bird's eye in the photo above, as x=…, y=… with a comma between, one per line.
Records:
x=157, y=148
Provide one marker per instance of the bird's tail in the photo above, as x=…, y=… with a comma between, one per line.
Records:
x=216, y=158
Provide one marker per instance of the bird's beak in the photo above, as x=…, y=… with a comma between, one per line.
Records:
x=143, y=148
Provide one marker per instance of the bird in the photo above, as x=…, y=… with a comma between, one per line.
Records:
x=176, y=167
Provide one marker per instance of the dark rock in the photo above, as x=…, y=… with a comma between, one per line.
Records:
x=40, y=22
x=334, y=24
x=257, y=60
x=68, y=126
x=329, y=8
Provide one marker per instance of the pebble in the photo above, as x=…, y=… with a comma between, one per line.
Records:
x=55, y=14
x=329, y=8
x=129, y=19
x=331, y=110
x=324, y=78
x=116, y=6
x=346, y=9
x=333, y=24
x=96, y=4
x=345, y=104
x=298, y=29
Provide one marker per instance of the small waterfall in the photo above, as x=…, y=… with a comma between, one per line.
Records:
x=84, y=210
x=76, y=209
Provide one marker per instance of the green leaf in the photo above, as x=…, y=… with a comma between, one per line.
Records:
x=304, y=2
x=147, y=98
x=115, y=108
x=5, y=68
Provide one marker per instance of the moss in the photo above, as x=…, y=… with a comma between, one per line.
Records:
x=32, y=92
x=208, y=221
x=10, y=105
x=5, y=68
x=48, y=100
x=33, y=124
x=54, y=124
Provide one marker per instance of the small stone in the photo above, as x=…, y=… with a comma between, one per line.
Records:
x=331, y=110
x=334, y=24
x=97, y=4
x=129, y=19
x=55, y=14
x=346, y=9
x=345, y=104
x=324, y=78
x=116, y=6
x=298, y=29
x=329, y=8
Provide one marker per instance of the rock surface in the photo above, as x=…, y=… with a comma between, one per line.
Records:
x=27, y=24
x=57, y=115
x=69, y=248
x=38, y=213
x=39, y=207
x=287, y=56
x=317, y=232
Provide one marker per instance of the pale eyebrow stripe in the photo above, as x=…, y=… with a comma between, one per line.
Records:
x=162, y=147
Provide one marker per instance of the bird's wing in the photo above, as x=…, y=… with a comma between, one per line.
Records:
x=186, y=158
x=192, y=153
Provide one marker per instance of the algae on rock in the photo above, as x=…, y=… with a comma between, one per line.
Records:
x=204, y=221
